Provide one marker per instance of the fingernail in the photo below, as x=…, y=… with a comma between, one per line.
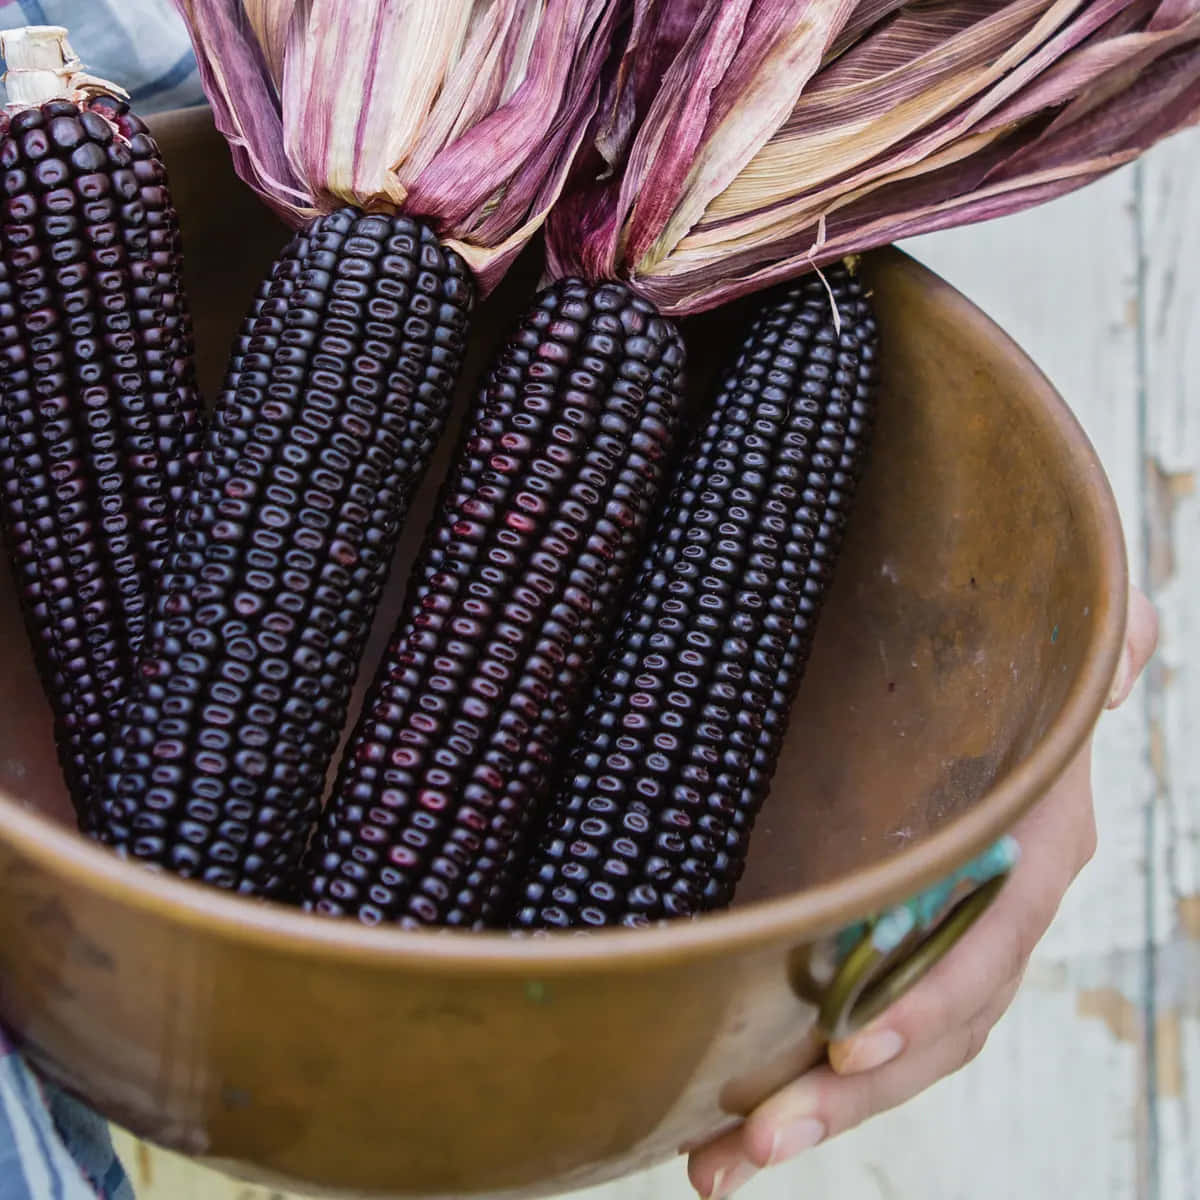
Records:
x=799, y=1135
x=869, y=1050
x=728, y=1179
x=1121, y=681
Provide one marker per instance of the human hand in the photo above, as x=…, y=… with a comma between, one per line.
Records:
x=944, y=1021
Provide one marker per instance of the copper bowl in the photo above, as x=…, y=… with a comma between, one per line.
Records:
x=964, y=656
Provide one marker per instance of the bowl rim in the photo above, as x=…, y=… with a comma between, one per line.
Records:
x=798, y=917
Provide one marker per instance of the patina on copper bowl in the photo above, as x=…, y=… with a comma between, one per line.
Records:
x=964, y=655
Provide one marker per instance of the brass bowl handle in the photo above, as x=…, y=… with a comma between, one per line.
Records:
x=880, y=967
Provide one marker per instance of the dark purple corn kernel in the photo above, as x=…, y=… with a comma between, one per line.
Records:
x=673, y=757
x=523, y=568
x=98, y=406
x=337, y=391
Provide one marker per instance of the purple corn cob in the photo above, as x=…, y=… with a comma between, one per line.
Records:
x=99, y=411
x=338, y=389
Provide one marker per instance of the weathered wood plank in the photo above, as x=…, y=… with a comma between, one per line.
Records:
x=1171, y=357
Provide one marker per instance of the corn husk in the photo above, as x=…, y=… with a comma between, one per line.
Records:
x=467, y=113
x=901, y=119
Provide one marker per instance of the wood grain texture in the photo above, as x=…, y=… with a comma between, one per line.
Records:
x=1090, y=1086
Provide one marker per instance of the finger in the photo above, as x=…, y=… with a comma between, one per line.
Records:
x=1056, y=839
x=719, y=1168
x=1141, y=639
x=814, y=1108
x=823, y=1104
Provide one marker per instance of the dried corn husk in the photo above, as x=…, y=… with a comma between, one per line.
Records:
x=467, y=113
x=902, y=118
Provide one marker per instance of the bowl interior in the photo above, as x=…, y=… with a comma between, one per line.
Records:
x=978, y=590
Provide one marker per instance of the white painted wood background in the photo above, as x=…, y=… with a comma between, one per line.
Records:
x=1089, y=1089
